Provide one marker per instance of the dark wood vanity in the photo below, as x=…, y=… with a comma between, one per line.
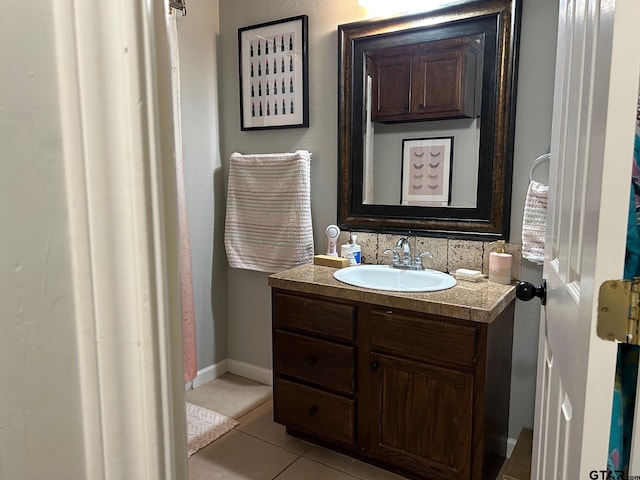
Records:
x=414, y=390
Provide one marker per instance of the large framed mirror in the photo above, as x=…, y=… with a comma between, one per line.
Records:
x=426, y=121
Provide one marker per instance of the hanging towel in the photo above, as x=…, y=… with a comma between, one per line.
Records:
x=534, y=222
x=268, y=221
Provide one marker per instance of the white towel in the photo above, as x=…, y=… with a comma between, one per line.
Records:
x=534, y=222
x=268, y=221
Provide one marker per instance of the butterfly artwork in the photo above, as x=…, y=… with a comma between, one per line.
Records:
x=426, y=171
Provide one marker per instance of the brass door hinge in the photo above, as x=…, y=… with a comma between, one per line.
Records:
x=619, y=311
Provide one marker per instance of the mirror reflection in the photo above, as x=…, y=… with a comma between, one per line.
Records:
x=426, y=110
x=422, y=107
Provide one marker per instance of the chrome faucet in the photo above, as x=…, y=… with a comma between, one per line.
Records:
x=406, y=261
x=403, y=246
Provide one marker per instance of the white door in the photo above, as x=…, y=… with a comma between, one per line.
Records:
x=596, y=84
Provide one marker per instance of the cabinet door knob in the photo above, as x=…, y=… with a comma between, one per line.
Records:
x=374, y=366
x=406, y=106
x=313, y=409
x=312, y=360
x=421, y=105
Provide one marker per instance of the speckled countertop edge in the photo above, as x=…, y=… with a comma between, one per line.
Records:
x=476, y=301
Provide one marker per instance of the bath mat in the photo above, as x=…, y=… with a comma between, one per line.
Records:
x=204, y=426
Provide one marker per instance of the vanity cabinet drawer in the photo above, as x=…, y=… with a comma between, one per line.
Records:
x=424, y=339
x=316, y=361
x=314, y=411
x=314, y=316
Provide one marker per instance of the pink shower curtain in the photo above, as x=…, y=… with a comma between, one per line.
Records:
x=186, y=278
x=186, y=282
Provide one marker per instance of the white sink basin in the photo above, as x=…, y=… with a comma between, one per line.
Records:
x=383, y=277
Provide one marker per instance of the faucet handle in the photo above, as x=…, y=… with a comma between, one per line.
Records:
x=396, y=258
x=418, y=261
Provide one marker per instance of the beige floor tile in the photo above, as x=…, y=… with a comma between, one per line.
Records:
x=349, y=465
x=230, y=395
x=305, y=469
x=357, y=468
x=259, y=423
x=238, y=456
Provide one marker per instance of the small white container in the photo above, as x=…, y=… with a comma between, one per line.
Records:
x=351, y=251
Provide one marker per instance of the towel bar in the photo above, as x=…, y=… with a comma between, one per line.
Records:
x=541, y=158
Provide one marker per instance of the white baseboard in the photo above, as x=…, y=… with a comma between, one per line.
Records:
x=210, y=373
x=250, y=371
x=247, y=370
x=511, y=444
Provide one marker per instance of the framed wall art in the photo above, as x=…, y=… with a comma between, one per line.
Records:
x=426, y=171
x=274, y=74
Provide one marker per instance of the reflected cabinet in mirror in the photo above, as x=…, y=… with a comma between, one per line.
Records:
x=426, y=121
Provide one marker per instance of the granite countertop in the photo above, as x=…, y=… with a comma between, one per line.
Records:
x=479, y=301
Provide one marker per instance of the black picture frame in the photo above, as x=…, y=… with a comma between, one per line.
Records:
x=264, y=51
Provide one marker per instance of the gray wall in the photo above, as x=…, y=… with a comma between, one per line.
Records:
x=197, y=39
x=248, y=293
x=532, y=138
x=249, y=296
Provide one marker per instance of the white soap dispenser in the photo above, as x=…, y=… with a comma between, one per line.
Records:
x=500, y=265
x=351, y=250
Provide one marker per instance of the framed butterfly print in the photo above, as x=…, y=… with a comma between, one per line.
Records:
x=426, y=171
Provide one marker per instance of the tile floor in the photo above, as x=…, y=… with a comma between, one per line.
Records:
x=258, y=448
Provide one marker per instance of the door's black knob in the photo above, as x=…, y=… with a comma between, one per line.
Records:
x=374, y=366
x=312, y=360
x=312, y=410
x=526, y=291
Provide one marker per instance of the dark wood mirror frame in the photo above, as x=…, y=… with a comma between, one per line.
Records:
x=499, y=21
